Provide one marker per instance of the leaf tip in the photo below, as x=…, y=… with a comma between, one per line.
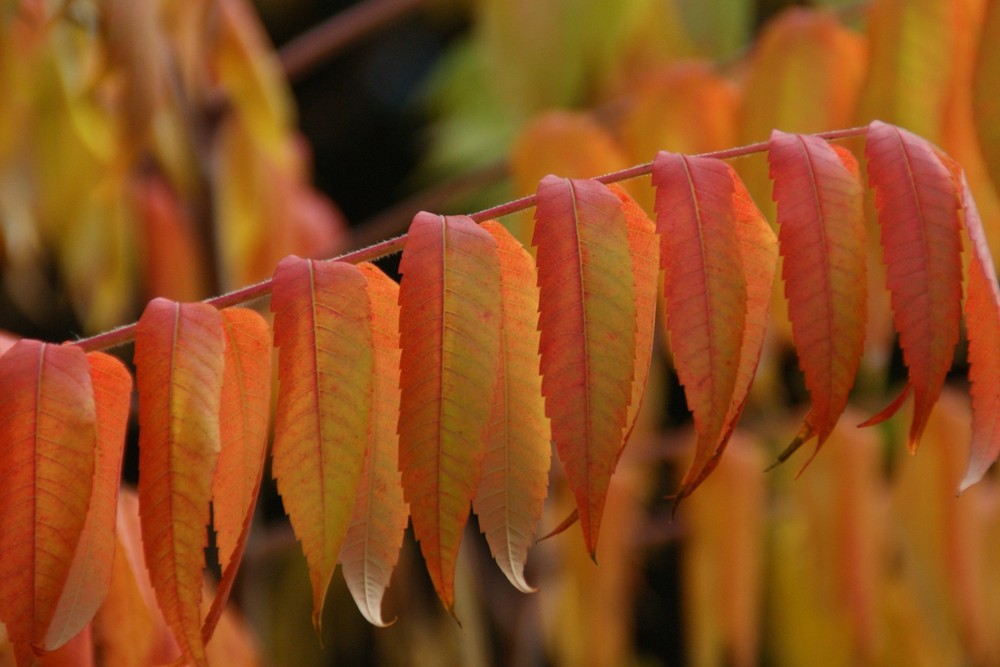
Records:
x=802, y=437
x=888, y=411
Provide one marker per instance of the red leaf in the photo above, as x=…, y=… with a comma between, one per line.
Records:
x=918, y=211
x=705, y=290
x=244, y=410
x=644, y=248
x=375, y=535
x=325, y=374
x=179, y=352
x=587, y=320
x=49, y=436
x=822, y=235
x=982, y=322
x=515, y=471
x=449, y=327
x=90, y=574
x=758, y=259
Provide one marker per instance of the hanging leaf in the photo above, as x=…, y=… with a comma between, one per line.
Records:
x=805, y=75
x=587, y=321
x=644, y=248
x=982, y=322
x=179, y=351
x=571, y=144
x=49, y=435
x=758, y=258
x=449, y=326
x=704, y=288
x=375, y=534
x=244, y=409
x=90, y=573
x=514, y=482
x=918, y=211
x=822, y=235
x=129, y=628
x=325, y=374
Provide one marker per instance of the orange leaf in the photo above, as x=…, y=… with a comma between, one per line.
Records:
x=805, y=75
x=47, y=427
x=515, y=471
x=244, y=410
x=325, y=374
x=918, y=211
x=587, y=321
x=90, y=574
x=449, y=325
x=179, y=353
x=822, y=235
x=705, y=290
x=571, y=144
x=982, y=322
x=77, y=651
x=911, y=58
x=759, y=258
x=375, y=534
x=687, y=107
x=644, y=247
x=129, y=629
x=563, y=142
x=169, y=240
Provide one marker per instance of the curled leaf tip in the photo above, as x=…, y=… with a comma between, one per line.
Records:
x=972, y=477
x=889, y=410
x=564, y=525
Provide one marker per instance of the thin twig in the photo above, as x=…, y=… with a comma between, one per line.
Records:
x=126, y=333
x=303, y=53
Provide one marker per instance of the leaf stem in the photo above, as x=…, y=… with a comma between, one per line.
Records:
x=126, y=334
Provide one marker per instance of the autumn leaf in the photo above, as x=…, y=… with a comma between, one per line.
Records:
x=49, y=435
x=918, y=212
x=982, y=322
x=243, y=420
x=758, y=258
x=325, y=374
x=514, y=482
x=705, y=292
x=571, y=144
x=375, y=534
x=822, y=236
x=129, y=628
x=644, y=248
x=449, y=325
x=90, y=573
x=687, y=107
x=179, y=354
x=587, y=321
x=910, y=61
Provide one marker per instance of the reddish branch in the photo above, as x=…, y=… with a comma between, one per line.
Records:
x=125, y=334
x=339, y=32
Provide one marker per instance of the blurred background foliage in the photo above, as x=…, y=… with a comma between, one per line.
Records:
x=182, y=147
